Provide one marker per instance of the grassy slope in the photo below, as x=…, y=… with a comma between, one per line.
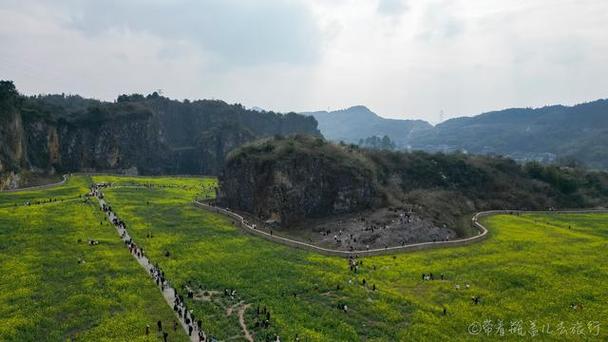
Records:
x=46, y=295
x=531, y=268
x=74, y=187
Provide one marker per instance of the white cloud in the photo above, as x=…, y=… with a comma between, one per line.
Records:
x=392, y=7
x=402, y=58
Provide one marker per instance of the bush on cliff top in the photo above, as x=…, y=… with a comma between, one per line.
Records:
x=296, y=147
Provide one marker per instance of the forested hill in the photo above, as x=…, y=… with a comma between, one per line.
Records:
x=144, y=134
x=358, y=122
x=579, y=132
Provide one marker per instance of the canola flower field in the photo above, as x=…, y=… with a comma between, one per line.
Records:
x=537, y=276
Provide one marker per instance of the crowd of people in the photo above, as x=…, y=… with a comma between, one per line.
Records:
x=430, y=276
x=193, y=326
x=40, y=202
x=262, y=318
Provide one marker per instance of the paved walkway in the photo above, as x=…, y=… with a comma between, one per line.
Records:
x=165, y=288
x=241, y=222
x=39, y=187
x=482, y=232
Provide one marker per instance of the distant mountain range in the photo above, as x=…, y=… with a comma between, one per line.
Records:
x=578, y=132
x=358, y=122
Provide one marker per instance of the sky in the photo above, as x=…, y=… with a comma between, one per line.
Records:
x=401, y=58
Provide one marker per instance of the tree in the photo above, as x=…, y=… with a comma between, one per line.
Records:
x=130, y=98
x=9, y=96
x=377, y=143
x=387, y=144
x=154, y=95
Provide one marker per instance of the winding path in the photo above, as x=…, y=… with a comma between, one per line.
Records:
x=241, y=315
x=482, y=233
x=241, y=222
x=39, y=187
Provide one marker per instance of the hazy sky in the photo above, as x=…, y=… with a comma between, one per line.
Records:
x=401, y=58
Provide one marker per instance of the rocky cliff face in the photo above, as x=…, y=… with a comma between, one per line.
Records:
x=147, y=135
x=113, y=145
x=298, y=178
x=38, y=146
x=296, y=184
x=12, y=144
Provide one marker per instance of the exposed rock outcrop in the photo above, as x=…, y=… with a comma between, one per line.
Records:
x=153, y=134
x=296, y=184
x=294, y=179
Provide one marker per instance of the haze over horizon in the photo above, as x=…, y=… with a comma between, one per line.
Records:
x=400, y=58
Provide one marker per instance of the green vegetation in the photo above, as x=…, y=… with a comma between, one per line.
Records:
x=9, y=97
x=533, y=268
x=48, y=294
x=264, y=152
x=377, y=143
x=187, y=185
x=71, y=190
x=536, y=268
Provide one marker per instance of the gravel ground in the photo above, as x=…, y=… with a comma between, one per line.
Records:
x=380, y=228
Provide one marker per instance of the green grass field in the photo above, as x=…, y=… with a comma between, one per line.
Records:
x=72, y=189
x=530, y=271
x=47, y=295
